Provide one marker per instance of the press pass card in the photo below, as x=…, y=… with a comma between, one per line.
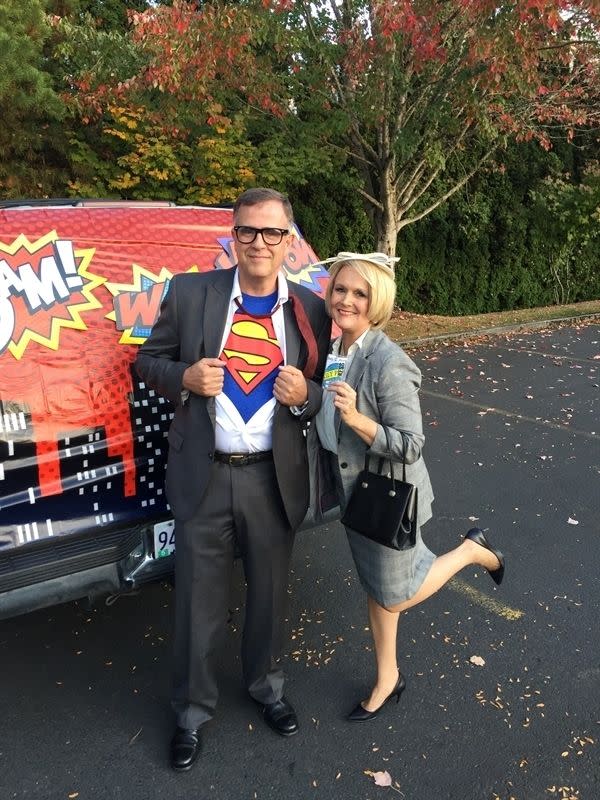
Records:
x=334, y=369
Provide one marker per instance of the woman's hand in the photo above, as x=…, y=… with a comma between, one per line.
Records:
x=345, y=401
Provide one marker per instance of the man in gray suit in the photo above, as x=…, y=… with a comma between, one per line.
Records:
x=241, y=354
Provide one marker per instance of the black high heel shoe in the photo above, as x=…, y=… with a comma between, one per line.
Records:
x=477, y=535
x=360, y=713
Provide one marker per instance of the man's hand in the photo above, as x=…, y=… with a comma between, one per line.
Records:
x=290, y=387
x=205, y=377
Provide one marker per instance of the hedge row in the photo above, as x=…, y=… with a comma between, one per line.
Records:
x=525, y=233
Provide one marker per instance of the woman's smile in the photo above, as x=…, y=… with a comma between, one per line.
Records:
x=350, y=304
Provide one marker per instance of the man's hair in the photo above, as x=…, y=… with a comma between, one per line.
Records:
x=252, y=197
x=382, y=290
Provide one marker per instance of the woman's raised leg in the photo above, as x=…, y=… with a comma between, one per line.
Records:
x=445, y=567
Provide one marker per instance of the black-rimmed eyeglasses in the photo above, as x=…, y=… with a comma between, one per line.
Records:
x=246, y=235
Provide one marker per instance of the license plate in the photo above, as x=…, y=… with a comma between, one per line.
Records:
x=164, y=539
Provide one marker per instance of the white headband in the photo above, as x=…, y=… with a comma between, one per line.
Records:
x=381, y=260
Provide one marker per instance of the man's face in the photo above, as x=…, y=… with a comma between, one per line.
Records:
x=258, y=262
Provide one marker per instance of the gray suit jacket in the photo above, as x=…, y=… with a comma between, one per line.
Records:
x=190, y=327
x=387, y=384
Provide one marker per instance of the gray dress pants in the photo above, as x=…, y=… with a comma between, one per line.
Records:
x=242, y=506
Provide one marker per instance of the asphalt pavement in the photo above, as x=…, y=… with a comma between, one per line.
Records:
x=503, y=683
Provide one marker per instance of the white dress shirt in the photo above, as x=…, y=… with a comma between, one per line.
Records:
x=232, y=434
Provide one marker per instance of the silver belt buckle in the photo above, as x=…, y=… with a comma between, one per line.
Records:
x=236, y=458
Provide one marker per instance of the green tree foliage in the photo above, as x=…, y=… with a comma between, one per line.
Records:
x=110, y=14
x=418, y=94
x=331, y=215
x=87, y=48
x=193, y=102
x=30, y=151
x=140, y=160
x=184, y=132
x=567, y=237
x=524, y=233
x=428, y=91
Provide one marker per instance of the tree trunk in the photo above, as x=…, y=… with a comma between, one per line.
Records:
x=386, y=240
x=387, y=233
x=385, y=217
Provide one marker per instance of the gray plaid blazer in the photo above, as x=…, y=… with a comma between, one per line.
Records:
x=387, y=385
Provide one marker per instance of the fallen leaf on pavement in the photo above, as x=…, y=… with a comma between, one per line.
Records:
x=478, y=660
x=383, y=779
x=380, y=778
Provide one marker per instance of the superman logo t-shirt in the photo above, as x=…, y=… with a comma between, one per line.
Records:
x=252, y=355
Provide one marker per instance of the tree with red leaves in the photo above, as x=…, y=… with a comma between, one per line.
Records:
x=191, y=103
x=430, y=90
x=416, y=94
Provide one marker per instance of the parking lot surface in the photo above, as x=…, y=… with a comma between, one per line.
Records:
x=503, y=683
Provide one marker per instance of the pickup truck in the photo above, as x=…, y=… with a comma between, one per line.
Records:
x=82, y=440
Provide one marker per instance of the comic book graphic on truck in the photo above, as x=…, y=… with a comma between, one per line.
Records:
x=82, y=440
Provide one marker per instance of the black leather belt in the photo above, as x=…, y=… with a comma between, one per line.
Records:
x=243, y=459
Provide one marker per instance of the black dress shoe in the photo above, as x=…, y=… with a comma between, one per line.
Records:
x=477, y=535
x=185, y=748
x=281, y=717
x=360, y=713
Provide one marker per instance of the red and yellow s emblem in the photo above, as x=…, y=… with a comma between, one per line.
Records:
x=252, y=351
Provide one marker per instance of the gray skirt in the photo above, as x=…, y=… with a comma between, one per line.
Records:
x=390, y=576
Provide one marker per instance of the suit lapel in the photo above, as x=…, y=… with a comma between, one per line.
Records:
x=358, y=367
x=215, y=315
x=360, y=360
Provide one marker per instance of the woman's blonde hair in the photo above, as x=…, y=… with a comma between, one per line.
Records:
x=381, y=283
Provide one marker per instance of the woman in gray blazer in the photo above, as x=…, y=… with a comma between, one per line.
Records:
x=373, y=408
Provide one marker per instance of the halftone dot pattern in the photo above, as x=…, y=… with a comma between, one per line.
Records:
x=92, y=477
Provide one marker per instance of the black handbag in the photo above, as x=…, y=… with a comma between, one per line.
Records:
x=383, y=508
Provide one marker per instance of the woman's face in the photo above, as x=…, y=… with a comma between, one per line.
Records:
x=350, y=303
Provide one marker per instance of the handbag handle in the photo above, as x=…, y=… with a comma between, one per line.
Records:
x=382, y=459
